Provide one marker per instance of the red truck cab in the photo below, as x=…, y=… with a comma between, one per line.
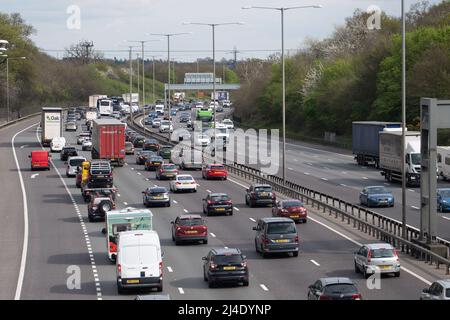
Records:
x=40, y=159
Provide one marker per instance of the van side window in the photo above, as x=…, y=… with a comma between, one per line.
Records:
x=447, y=161
x=439, y=158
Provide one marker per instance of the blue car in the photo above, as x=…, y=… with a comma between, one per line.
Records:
x=443, y=199
x=376, y=196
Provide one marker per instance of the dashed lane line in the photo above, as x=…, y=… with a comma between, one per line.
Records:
x=264, y=287
x=315, y=262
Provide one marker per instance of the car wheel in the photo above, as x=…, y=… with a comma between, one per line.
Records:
x=245, y=283
x=211, y=283
x=230, y=213
x=256, y=247
x=440, y=208
x=246, y=201
x=357, y=269
x=264, y=254
x=205, y=241
x=204, y=275
x=168, y=204
x=251, y=204
x=365, y=274
x=397, y=274
x=195, y=190
x=90, y=219
x=159, y=288
x=177, y=242
x=120, y=290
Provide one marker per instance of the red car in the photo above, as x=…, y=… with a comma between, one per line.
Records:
x=294, y=209
x=189, y=227
x=40, y=159
x=214, y=171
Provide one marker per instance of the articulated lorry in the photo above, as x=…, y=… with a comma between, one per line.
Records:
x=108, y=140
x=365, y=140
x=391, y=156
x=51, y=125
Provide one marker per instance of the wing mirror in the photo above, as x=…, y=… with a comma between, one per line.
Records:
x=203, y=258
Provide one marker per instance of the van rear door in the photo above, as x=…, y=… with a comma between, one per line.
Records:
x=140, y=261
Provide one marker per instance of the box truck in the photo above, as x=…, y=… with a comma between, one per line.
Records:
x=108, y=140
x=365, y=140
x=443, y=162
x=391, y=156
x=51, y=125
x=105, y=107
x=91, y=114
x=134, y=98
x=93, y=99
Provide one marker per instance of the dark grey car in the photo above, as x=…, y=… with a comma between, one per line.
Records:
x=333, y=288
x=276, y=235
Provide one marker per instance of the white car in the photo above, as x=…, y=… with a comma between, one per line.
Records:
x=83, y=136
x=183, y=182
x=57, y=144
x=202, y=140
x=228, y=123
x=86, y=145
x=165, y=126
x=72, y=165
x=156, y=123
x=116, y=114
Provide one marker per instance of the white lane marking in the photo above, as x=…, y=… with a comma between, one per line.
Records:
x=263, y=287
x=252, y=219
x=132, y=168
x=306, y=173
x=343, y=185
x=446, y=218
x=185, y=211
x=175, y=201
x=209, y=191
x=414, y=207
x=77, y=209
x=365, y=178
x=359, y=245
x=238, y=183
x=314, y=262
x=237, y=209
x=411, y=190
x=344, y=172
x=139, y=173
x=25, y=145
x=23, y=259
x=125, y=203
x=325, y=179
x=169, y=269
x=181, y=290
x=309, y=148
x=126, y=163
x=34, y=175
x=290, y=169
x=225, y=247
x=387, y=184
x=212, y=234
x=147, y=179
x=155, y=185
x=296, y=160
x=118, y=194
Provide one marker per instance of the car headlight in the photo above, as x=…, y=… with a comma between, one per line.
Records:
x=444, y=201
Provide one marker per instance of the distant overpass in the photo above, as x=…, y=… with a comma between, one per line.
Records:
x=202, y=86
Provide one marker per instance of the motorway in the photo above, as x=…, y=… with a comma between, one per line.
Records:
x=59, y=238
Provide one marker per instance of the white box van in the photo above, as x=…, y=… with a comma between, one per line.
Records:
x=443, y=162
x=57, y=144
x=159, y=108
x=139, y=260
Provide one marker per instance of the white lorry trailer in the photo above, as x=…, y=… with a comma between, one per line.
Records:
x=51, y=125
x=93, y=99
x=391, y=156
x=443, y=162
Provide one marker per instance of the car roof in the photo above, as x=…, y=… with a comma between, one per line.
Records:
x=190, y=216
x=378, y=246
x=444, y=282
x=443, y=189
x=370, y=187
x=335, y=280
x=276, y=219
x=218, y=194
x=76, y=158
x=158, y=187
x=185, y=175
x=224, y=251
x=261, y=185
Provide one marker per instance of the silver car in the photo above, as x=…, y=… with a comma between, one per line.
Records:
x=72, y=165
x=439, y=290
x=377, y=257
x=71, y=126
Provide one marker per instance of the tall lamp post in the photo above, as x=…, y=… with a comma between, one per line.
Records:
x=130, y=53
x=403, y=119
x=7, y=83
x=282, y=10
x=168, y=35
x=213, y=29
x=153, y=78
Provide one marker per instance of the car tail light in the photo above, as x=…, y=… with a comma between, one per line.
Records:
x=356, y=296
x=210, y=202
x=244, y=264
x=297, y=238
x=324, y=297
x=253, y=194
x=213, y=266
x=284, y=211
x=396, y=254
x=177, y=183
x=112, y=247
x=265, y=240
x=119, y=269
x=178, y=228
x=369, y=256
x=161, y=268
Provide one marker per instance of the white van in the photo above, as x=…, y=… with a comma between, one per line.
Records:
x=139, y=260
x=159, y=108
x=443, y=162
x=190, y=159
x=57, y=144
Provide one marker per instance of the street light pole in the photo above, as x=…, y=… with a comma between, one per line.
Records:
x=282, y=10
x=403, y=120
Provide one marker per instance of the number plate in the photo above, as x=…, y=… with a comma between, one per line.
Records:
x=220, y=209
x=191, y=231
x=133, y=281
x=384, y=267
x=294, y=216
x=229, y=268
x=282, y=240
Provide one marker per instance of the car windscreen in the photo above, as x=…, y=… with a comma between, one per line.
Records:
x=217, y=167
x=377, y=190
x=447, y=293
x=220, y=198
x=70, y=149
x=445, y=193
x=169, y=167
x=105, y=103
x=158, y=190
x=181, y=178
x=289, y=204
x=263, y=189
x=228, y=259
x=340, y=288
x=156, y=159
x=76, y=162
x=415, y=158
x=281, y=228
x=190, y=222
x=100, y=171
x=382, y=253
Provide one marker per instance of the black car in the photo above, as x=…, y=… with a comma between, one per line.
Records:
x=100, y=175
x=153, y=163
x=260, y=194
x=156, y=196
x=225, y=265
x=150, y=145
x=138, y=141
x=217, y=203
x=67, y=152
x=333, y=289
x=142, y=156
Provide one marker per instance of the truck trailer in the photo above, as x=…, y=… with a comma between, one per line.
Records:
x=391, y=156
x=93, y=99
x=51, y=125
x=365, y=140
x=108, y=140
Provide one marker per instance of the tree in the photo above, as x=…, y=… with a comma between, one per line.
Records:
x=82, y=52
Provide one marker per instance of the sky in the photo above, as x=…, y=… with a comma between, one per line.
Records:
x=109, y=23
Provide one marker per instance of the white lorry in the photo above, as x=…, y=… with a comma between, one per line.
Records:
x=391, y=156
x=443, y=162
x=93, y=99
x=105, y=107
x=51, y=125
